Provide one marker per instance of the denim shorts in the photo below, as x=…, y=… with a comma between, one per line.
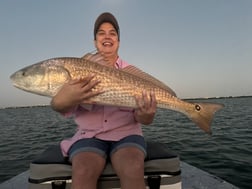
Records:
x=106, y=148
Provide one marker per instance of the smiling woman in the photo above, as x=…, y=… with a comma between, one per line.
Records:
x=104, y=130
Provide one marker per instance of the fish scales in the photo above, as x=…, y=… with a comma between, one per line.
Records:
x=120, y=86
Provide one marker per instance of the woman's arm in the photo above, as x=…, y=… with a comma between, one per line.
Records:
x=74, y=93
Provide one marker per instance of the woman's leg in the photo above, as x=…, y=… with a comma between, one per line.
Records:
x=86, y=170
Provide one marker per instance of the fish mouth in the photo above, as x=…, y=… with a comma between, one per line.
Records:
x=14, y=79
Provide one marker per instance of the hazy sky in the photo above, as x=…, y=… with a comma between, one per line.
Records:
x=200, y=48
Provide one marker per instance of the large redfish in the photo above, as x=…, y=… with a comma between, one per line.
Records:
x=120, y=86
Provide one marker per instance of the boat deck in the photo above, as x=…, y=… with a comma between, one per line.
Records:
x=192, y=178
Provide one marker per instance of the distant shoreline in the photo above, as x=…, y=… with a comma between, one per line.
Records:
x=45, y=105
x=202, y=98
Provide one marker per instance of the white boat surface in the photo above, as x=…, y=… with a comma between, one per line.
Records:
x=192, y=178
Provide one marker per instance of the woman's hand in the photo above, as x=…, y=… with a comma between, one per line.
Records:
x=146, y=108
x=74, y=93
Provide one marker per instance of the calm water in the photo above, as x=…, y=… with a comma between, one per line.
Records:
x=26, y=132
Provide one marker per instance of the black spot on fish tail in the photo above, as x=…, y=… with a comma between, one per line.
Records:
x=203, y=115
x=197, y=107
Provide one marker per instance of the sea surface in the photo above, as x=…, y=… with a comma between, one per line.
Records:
x=227, y=153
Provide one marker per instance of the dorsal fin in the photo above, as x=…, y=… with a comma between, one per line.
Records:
x=98, y=58
x=139, y=73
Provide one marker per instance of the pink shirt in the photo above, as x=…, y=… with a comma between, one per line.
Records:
x=103, y=122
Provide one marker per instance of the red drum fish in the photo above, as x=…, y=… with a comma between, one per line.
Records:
x=120, y=86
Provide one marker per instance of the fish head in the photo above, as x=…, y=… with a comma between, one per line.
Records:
x=41, y=78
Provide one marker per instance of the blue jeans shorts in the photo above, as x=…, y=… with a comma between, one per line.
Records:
x=106, y=148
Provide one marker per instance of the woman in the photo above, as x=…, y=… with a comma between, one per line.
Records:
x=105, y=131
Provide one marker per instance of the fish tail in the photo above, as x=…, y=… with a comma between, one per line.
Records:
x=203, y=114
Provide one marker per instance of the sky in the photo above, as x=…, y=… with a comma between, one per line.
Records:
x=199, y=48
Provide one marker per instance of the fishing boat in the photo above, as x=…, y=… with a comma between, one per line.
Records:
x=163, y=170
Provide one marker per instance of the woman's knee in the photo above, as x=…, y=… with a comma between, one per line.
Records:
x=133, y=172
x=88, y=165
x=129, y=163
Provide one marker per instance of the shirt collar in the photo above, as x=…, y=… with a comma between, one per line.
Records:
x=119, y=63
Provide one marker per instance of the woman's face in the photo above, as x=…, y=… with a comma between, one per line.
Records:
x=107, y=42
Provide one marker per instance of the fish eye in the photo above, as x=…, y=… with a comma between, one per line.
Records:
x=23, y=73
